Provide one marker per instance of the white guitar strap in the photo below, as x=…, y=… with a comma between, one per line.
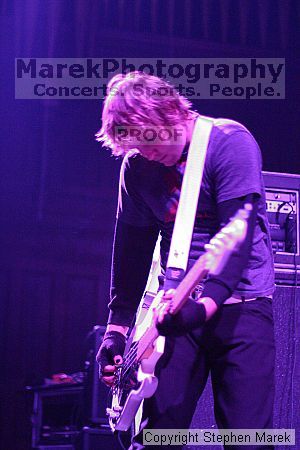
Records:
x=186, y=212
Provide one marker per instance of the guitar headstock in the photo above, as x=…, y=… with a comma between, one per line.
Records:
x=227, y=240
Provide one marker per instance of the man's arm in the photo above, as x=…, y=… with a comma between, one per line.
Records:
x=132, y=256
x=131, y=262
x=220, y=287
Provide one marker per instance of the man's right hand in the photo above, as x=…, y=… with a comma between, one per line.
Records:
x=109, y=355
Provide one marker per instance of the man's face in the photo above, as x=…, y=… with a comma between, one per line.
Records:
x=161, y=144
x=166, y=154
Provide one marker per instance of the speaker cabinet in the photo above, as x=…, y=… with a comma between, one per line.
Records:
x=286, y=306
x=97, y=392
x=100, y=439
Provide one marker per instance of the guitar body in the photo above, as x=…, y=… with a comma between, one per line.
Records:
x=147, y=387
x=126, y=403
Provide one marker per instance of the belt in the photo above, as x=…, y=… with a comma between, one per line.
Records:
x=232, y=299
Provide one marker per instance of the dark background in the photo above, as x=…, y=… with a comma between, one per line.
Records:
x=58, y=187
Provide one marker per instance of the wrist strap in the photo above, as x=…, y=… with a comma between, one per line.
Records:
x=112, y=333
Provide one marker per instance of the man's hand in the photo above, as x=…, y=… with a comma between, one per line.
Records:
x=191, y=316
x=110, y=355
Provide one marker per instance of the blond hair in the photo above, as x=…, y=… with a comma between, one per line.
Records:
x=139, y=99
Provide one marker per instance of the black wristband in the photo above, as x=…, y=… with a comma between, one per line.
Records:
x=111, y=334
x=190, y=317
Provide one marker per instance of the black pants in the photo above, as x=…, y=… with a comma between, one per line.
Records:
x=237, y=347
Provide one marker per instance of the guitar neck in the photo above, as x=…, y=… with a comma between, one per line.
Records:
x=146, y=341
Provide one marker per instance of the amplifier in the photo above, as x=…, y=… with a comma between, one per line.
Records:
x=283, y=210
x=101, y=439
x=57, y=416
x=96, y=392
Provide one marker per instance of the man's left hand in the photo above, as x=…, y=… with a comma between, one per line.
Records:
x=191, y=316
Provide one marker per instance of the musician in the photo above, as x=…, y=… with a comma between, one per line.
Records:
x=227, y=328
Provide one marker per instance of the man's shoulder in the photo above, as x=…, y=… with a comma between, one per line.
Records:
x=228, y=130
x=224, y=126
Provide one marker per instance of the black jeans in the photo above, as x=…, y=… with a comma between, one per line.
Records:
x=237, y=347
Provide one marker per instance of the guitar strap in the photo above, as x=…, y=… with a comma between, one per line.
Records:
x=186, y=212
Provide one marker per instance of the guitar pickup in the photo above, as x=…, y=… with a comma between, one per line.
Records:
x=114, y=412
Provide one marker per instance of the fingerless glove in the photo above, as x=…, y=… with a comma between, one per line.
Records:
x=113, y=344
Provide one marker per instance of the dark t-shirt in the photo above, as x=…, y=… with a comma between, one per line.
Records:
x=149, y=195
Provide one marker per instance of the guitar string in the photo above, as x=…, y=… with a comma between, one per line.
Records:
x=131, y=352
x=128, y=359
x=125, y=374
